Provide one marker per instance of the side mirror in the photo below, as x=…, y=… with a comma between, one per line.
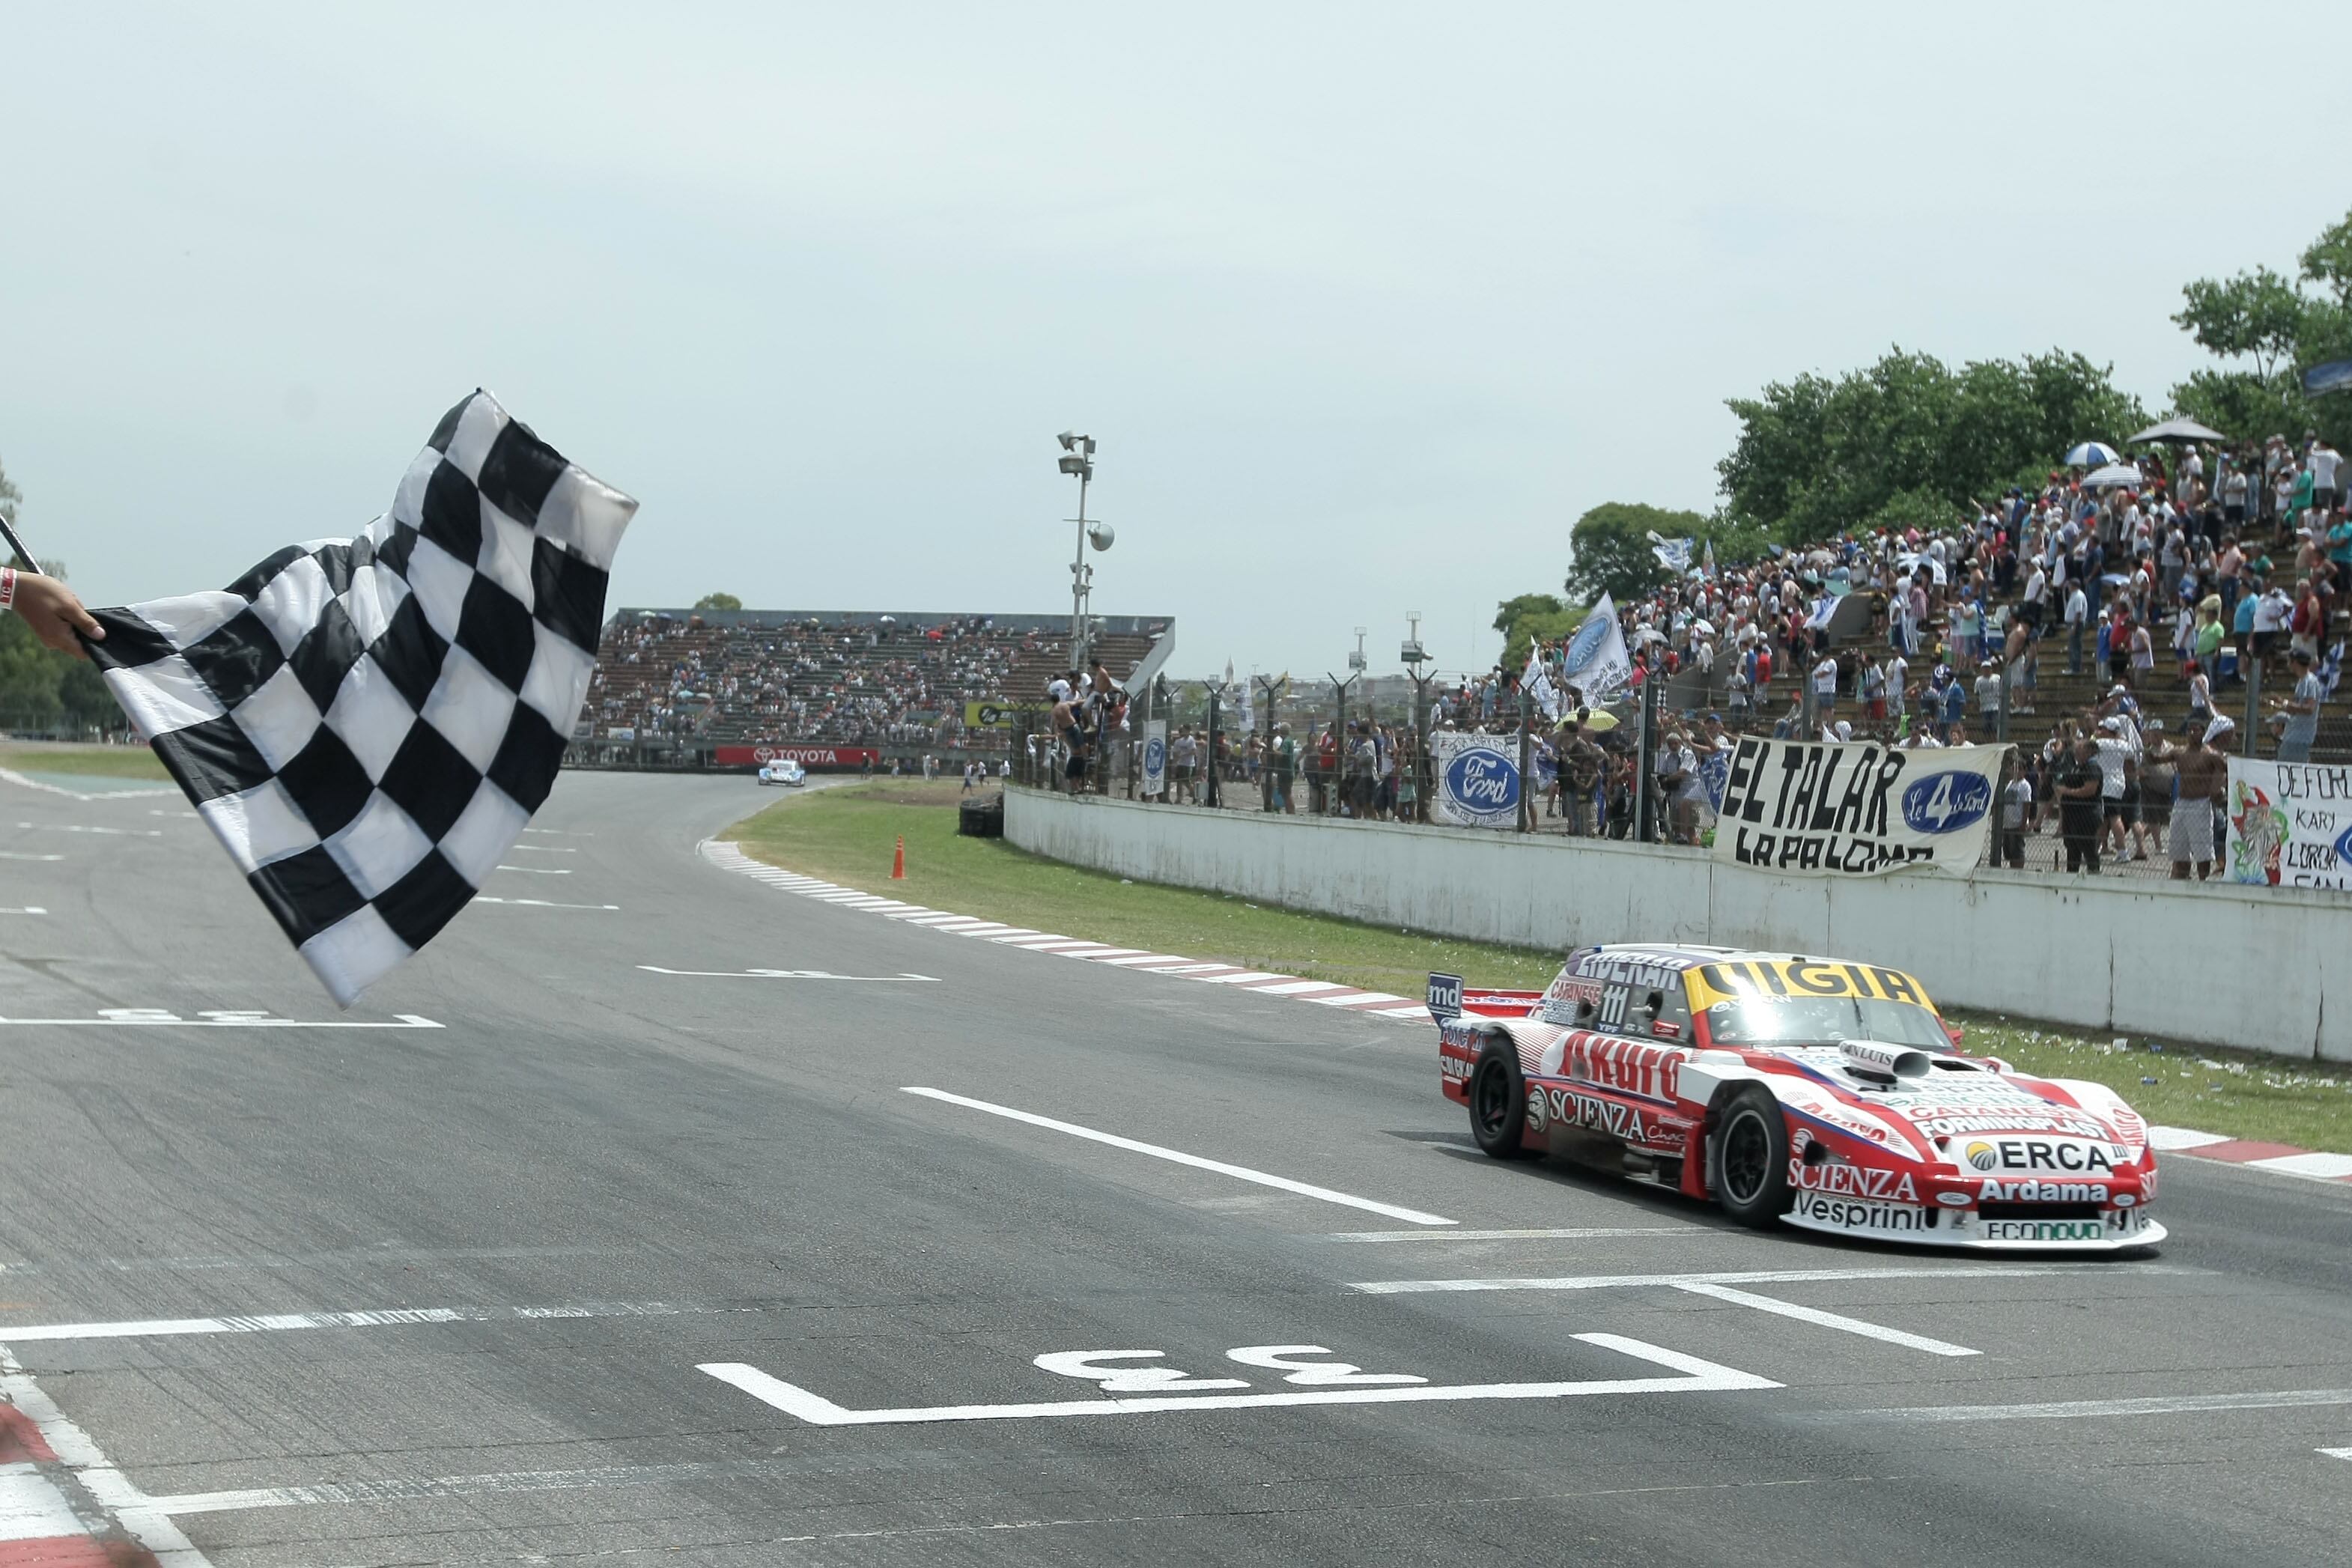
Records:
x=1953, y=1031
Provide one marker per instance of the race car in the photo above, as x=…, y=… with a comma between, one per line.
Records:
x=783, y=771
x=1795, y=1090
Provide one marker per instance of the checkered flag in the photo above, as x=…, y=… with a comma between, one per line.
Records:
x=367, y=725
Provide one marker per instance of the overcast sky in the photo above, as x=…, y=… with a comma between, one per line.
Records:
x=1364, y=303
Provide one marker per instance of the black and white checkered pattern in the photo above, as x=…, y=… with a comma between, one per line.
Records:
x=368, y=725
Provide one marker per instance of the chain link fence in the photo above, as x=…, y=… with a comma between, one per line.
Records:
x=1361, y=749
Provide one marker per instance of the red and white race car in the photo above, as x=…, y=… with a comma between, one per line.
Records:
x=1809, y=1091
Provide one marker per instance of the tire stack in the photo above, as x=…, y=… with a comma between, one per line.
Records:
x=982, y=818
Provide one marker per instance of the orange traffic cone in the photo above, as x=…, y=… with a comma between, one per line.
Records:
x=899, y=861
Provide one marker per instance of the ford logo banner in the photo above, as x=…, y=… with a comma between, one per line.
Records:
x=1947, y=802
x=1481, y=784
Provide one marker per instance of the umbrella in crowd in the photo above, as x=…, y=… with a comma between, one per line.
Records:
x=2180, y=432
x=2113, y=476
x=2091, y=455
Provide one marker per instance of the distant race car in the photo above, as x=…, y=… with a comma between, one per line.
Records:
x=783, y=771
x=1809, y=1091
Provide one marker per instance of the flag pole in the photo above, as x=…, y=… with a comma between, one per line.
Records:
x=8, y=532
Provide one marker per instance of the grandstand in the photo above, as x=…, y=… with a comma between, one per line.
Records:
x=865, y=680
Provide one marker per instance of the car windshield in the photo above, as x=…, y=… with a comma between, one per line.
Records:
x=1799, y=1020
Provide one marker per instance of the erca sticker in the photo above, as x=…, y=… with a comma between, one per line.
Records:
x=2038, y=1155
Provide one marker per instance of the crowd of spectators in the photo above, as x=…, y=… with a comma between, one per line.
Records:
x=806, y=679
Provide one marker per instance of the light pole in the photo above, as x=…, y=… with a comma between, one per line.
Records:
x=1078, y=457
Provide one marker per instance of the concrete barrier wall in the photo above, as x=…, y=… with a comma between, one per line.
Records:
x=2224, y=965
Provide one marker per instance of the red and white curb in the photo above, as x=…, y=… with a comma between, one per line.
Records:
x=727, y=855
x=2279, y=1159
x=62, y=1503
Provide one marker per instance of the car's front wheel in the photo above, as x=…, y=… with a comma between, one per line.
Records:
x=1498, y=1100
x=1752, y=1158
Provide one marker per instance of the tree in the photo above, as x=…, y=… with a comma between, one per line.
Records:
x=1609, y=551
x=1531, y=618
x=1909, y=439
x=2267, y=330
x=719, y=602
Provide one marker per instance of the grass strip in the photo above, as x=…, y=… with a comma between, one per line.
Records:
x=76, y=757
x=847, y=835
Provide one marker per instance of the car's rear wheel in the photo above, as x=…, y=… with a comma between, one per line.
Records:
x=1752, y=1158
x=1498, y=1100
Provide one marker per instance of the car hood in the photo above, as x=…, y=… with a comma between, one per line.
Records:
x=1959, y=1102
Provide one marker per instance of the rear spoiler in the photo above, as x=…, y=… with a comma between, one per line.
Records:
x=1448, y=998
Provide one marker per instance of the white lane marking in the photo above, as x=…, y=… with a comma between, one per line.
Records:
x=1697, y=1377
x=2338, y=1453
x=2170, y=1139
x=544, y=849
x=1240, y=1173
x=988, y=927
x=1825, y=1320
x=1418, y=1010
x=783, y=975
x=1569, y=1233
x=157, y=1019
x=1033, y=943
x=28, y=909
x=1744, y=1277
x=2320, y=1167
x=157, y=786
x=1298, y=987
x=1360, y=999
x=1184, y=967
x=459, y=1486
x=2066, y=1409
x=1142, y=958
x=396, y=1316
x=31, y=1509
x=1246, y=977
x=540, y=903
x=539, y=870
x=558, y=832
x=12, y=855
x=110, y=832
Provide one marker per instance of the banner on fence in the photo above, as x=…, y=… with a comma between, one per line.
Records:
x=2290, y=823
x=1855, y=809
x=1155, y=758
x=1477, y=779
x=807, y=756
x=995, y=713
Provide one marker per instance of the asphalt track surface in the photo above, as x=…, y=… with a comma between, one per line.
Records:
x=396, y=1295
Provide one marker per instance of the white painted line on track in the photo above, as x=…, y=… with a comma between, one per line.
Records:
x=109, y=832
x=2066, y=1409
x=1246, y=977
x=1240, y=1173
x=1298, y=988
x=396, y=1317
x=1568, y=1232
x=1697, y=1377
x=539, y=903
x=784, y=974
x=1743, y=1277
x=153, y=787
x=597, y=1477
x=1138, y=960
x=539, y=870
x=543, y=849
x=2338, y=1453
x=1825, y=1320
x=2169, y=1140
x=87, y=1464
x=160, y=1020
x=13, y=855
x=28, y=909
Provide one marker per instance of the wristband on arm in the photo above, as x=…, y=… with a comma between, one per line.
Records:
x=7, y=586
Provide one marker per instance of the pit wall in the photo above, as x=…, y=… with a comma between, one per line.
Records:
x=2214, y=964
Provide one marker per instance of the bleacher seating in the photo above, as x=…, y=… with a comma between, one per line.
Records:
x=840, y=678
